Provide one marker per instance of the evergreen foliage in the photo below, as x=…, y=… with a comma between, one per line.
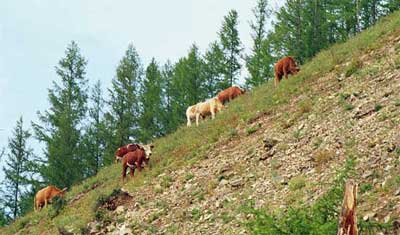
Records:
x=16, y=171
x=61, y=125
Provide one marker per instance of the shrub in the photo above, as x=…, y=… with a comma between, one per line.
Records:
x=352, y=67
x=305, y=106
x=57, y=205
x=297, y=183
x=323, y=156
x=365, y=187
x=378, y=107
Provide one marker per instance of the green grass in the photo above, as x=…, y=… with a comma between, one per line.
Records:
x=184, y=147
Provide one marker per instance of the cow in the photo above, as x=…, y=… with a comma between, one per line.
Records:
x=284, y=67
x=191, y=114
x=45, y=196
x=136, y=159
x=230, y=93
x=121, y=151
x=208, y=107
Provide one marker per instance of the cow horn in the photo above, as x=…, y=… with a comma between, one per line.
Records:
x=64, y=189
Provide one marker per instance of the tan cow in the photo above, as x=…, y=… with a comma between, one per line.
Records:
x=45, y=196
x=208, y=107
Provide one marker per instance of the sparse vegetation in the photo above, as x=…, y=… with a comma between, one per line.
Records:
x=297, y=183
x=321, y=157
x=353, y=66
x=305, y=106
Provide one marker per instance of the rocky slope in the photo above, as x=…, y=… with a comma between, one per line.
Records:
x=285, y=156
x=272, y=148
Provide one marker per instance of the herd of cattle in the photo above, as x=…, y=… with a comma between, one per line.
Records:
x=138, y=156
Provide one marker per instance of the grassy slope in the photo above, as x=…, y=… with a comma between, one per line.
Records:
x=189, y=145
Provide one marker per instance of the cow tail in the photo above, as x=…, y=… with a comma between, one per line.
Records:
x=34, y=203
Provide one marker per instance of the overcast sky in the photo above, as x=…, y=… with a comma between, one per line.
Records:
x=35, y=33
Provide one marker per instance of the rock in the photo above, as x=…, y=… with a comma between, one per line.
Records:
x=223, y=182
x=110, y=228
x=386, y=219
x=236, y=182
x=119, y=210
x=369, y=216
x=125, y=231
x=269, y=143
x=367, y=174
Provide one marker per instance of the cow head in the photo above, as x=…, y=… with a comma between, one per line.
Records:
x=294, y=70
x=148, y=149
x=62, y=192
x=218, y=104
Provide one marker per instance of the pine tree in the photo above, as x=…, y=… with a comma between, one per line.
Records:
x=150, y=119
x=213, y=70
x=231, y=47
x=124, y=103
x=392, y=5
x=94, y=139
x=62, y=122
x=187, y=85
x=168, y=116
x=259, y=63
x=16, y=169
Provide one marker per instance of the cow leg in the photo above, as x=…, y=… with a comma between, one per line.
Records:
x=132, y=172
x=124, y=166
x=197, y=119
x=45, y=203
x=285, y=73
x=188, y=121
x=277, y=79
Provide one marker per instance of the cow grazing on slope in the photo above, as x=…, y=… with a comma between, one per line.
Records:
x=208, y=107
x=284, y=67
x=121, y=151
x=45, y=196
x=136, y=159
x=191, y=114
x=230, y=94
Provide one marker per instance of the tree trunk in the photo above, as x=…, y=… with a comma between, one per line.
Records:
x=348, y=218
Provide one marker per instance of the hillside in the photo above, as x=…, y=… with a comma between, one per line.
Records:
x=276, y=147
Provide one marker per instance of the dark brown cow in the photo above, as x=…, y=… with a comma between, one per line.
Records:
x=119, y=154
x=284, y=67
x=136, y=159
x=45, y=196
x=230, y=94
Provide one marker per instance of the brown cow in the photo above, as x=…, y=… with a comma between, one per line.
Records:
x=119, y=154
x=284, y=67
x=230, y=94
x=136, y=159
x=45, y=196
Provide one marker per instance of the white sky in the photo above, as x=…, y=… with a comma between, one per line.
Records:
x=35, y=33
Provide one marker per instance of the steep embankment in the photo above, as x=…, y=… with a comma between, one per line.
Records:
x=273, y=146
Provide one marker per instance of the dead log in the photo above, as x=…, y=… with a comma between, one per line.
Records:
x=348, y=218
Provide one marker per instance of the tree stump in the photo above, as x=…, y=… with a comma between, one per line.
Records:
x=348, y=218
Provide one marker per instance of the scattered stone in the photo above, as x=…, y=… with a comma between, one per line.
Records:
x=368, y=216
x=223, y=182
x=367, y=174
x=269, y=143
x=236, y=182
x=397, y=193
x=386, y=219
x=120, y=210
